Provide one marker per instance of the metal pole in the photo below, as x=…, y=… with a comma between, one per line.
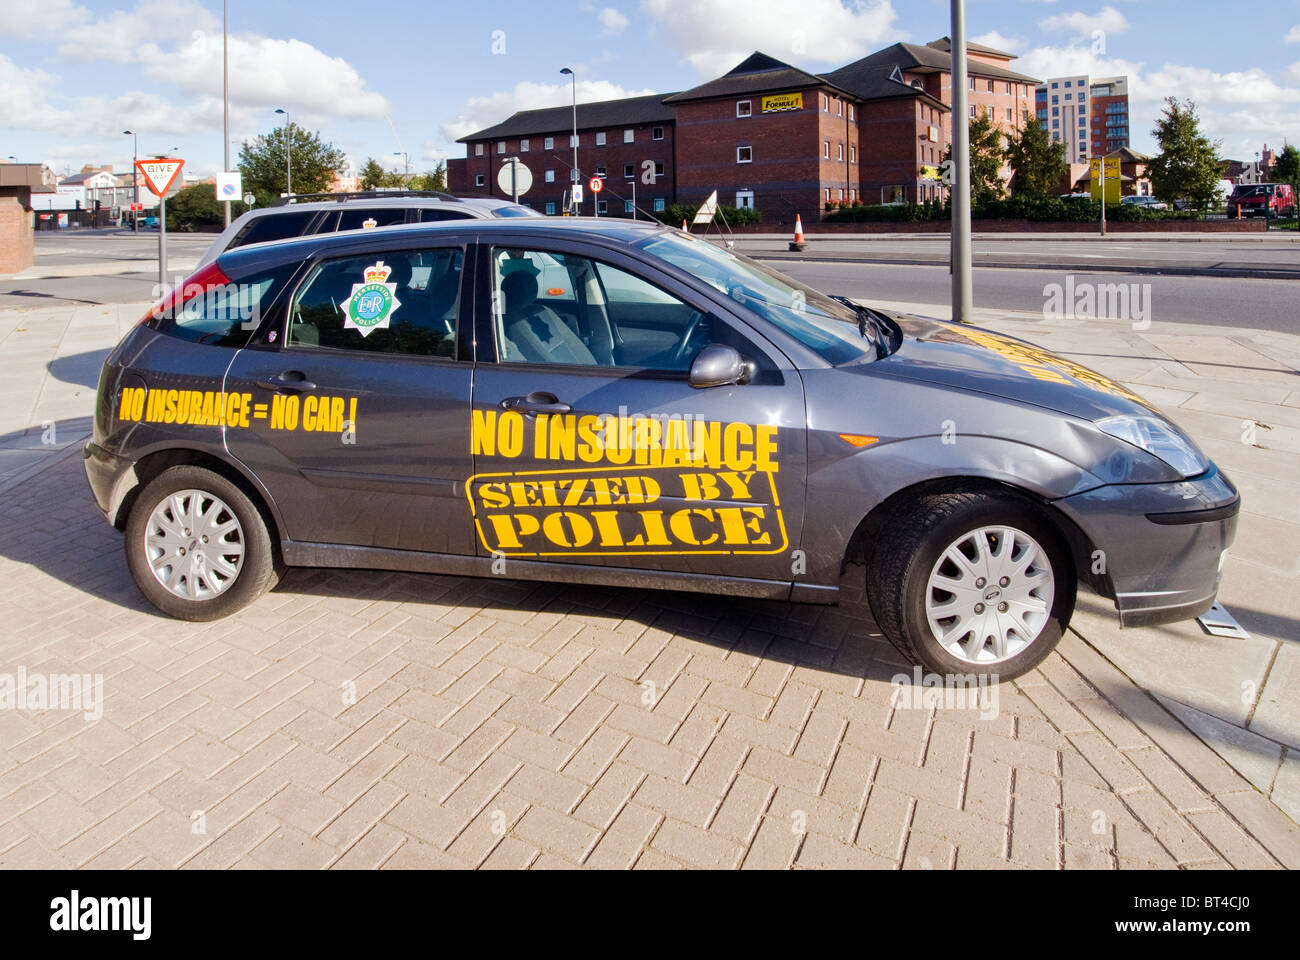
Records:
x=162, y=243
x=288, y=153
x=962, y=294
x=225, y=91
x=135, y=182
x=514, y=178
x=634, y=198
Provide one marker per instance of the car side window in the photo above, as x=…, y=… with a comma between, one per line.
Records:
x=401, y=301
x=563, y=308
x=359, y=219
x=433, y=215
x=272, y=226
x=226, y=315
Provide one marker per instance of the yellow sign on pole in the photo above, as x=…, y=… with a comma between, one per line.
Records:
x=1113, y=179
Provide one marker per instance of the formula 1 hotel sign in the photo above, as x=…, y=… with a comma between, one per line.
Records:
x=782, y=101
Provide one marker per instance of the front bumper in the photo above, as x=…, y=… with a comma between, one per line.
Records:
x=1160, y=546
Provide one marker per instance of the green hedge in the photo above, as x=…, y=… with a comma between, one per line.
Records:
x=675, y=213
x=1036, y=209
x=194, y=208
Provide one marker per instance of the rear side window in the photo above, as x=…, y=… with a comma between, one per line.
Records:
x=224, y=316
x=273, y=226
x=515, y=210
x=428, y=215
x=366, y=218
x=401, y=301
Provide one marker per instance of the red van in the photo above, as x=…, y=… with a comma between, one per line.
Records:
x=1253, y=200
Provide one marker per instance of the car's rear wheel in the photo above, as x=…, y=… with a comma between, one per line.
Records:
x=197, y=546
x=972, y=583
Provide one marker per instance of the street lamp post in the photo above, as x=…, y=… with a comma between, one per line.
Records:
x=962, y=296
x=406, y=164
x=135, y=179
x=574, y=177
x=288, y=150
x=225, y=90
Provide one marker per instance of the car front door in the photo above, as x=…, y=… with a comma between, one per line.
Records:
x=590, y=446
x=359, y=412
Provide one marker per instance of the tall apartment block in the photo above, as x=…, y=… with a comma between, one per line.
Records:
x=1091, y=117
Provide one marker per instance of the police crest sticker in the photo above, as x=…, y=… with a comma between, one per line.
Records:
x=373, y=302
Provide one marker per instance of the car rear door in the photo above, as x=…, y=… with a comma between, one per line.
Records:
x=358, y=426
x=591, y=448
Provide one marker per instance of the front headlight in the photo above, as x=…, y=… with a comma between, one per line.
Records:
x=1160, y=439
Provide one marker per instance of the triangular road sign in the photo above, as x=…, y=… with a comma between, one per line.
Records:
x=159, y=174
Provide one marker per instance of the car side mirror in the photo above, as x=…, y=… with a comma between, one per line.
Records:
x=717, y=365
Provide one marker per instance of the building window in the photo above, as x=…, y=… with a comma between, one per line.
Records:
x=1055, y=85
x=627, y=206
x=600, y=172
x=656, y=133
x=573, y=141
x=523, y=146
x=1069, y=96
x=828, y=194
x=990, y=86
x=826, y=149
x=660, y=204
x=1011, y=115
x=825, y=103
x=851, y=113
x=972, y=111
x=744, y=108
x=659, y=168
x=550, y=176
x=548, y=143
x=629, y=136
x=478, y=180
x=744, y=154
x=478, y=149
x=501, y=146
x=1008, y=90
x=839, y=151
x=839, y=107
x=629, y=171
x=550, y=209
x=602, y=206
x=600, y=139
x=972, y=83
x=853, y=154
x=893, y=194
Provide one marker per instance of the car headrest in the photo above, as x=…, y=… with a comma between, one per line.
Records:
x=520, y=290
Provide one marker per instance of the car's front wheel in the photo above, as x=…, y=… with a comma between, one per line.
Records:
x=972, y=583
x=197, y=546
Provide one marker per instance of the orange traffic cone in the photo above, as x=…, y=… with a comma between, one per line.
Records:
x=684, y=228
x=798, y=242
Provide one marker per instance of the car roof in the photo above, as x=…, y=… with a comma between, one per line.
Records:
x=599, y=229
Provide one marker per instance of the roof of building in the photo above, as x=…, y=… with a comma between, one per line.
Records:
x=1129, y=155
x=945, y=44
x=928, y=59
x=632, y=111
x=879, y=81
x=757, y=73
x=79, y=178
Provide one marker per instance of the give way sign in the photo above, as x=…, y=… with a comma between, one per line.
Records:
x=159, y=174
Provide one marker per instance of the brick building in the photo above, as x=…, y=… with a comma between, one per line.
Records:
x=1091, y=117
x=765, y=134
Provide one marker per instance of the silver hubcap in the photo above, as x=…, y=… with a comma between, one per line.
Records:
x=990, y=595
x=194, y=544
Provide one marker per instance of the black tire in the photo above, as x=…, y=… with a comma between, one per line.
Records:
x=257, y=571
x=913, y=540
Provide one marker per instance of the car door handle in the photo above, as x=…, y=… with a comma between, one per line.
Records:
x=535, y=403
x=289, y=380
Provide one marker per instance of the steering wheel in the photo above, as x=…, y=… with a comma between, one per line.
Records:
x=684, y=348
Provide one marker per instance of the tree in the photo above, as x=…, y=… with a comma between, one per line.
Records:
x=1286, y=169
x=1038, y=164
x=196, y=207
x=434, y=180
x=1187, y=167
x=262, y=163
x=986, y=153
x=373, y=176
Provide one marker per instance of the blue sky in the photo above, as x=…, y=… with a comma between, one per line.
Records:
x=413, y=76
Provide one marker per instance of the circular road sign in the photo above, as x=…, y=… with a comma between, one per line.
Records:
x=596, y=184
x=520, y=183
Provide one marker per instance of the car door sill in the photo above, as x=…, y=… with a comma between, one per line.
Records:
x=298, y=553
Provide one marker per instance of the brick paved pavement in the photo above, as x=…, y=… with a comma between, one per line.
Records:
x=365, y=719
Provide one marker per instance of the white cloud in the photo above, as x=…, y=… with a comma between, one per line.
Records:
x=1107, y=20
x=714, y=35
x=479, y=112
x=612, y=21
x=24, y=98
x=1241, y=108
x=999, y=42
x=29, y=18
x=1292, y=35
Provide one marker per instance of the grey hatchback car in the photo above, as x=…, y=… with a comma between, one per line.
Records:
x=618, y=403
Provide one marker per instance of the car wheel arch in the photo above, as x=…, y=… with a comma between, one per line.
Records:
x=877, y=519
x=151, y=465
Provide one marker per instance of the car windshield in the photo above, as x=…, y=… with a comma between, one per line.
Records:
x=834, y=330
